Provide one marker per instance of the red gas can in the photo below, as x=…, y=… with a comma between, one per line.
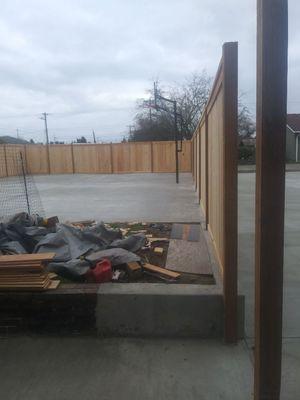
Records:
x=102, y=272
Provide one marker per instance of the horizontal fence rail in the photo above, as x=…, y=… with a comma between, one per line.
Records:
x=214, y=169
x=96, y=158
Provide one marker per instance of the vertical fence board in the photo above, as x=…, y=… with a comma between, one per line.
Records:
x=104, y=158
x=121, y=157
x=203, y=182
x=36, y=159
x=140, y=157
x=163, y=157
x=13, y=158
x=60, y=156
x=2, y=161
x=185, y=157
x=215, y=176
x=85, y=159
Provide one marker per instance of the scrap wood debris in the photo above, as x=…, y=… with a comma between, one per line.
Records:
x=26, y=272
x=84, y=251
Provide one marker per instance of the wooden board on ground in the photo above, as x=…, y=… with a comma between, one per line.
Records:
x=53, y=284
x=152, y=239
x=189, y=257
x=158, y=250
x=20, y=258
x=162, y=271
x=134, y=269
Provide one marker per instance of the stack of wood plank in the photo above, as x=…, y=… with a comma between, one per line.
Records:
x=26, y=272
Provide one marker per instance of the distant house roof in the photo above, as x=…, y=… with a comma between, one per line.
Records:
x=293, y=122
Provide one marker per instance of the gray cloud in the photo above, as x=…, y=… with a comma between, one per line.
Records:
x=87, y=61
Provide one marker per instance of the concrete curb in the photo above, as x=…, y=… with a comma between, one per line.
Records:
x=159, y=310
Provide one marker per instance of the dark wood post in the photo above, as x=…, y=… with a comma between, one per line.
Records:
x=48, y=158
x=272, y=42
x=151, y=144
x=199, y=168
x=206, y=171
x=230, y=119
x=5, y=159
x=72, y=157
x=111, y=158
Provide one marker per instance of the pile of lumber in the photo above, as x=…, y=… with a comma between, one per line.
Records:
x=26, y=272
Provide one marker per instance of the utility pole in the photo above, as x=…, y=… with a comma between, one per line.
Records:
x=94, y=136
x=17, y=133
x=44, y=118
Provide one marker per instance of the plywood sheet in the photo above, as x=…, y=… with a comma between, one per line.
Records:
x=189, y=257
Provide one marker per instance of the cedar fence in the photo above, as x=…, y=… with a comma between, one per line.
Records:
x=214, y=168
x=96, y=158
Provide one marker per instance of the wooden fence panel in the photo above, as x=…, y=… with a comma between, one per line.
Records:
x=215, y=176
x=121, y=157
x=13, y=159
x=85, y=158
x=215, y=172
x=3, y=165
x=99, y=158
x=61, y=159
x=203, y=183
x=140, y=157
x=185, y=157
x=195, y=160
x=104, y=158
x=163, y=156
x=37, y=159
x=198, y=165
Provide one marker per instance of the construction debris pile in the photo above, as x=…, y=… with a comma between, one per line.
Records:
x=84, y=252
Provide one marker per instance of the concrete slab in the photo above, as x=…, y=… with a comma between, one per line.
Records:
x=120, y=197
x=291, y=311
x=135, y=369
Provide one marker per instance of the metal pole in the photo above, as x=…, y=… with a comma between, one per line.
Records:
x=25, y=182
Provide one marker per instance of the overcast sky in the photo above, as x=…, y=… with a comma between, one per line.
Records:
x=87, y=61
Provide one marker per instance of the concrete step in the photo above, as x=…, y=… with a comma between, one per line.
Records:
x=160, y=310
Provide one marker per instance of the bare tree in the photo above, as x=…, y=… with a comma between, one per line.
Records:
x=191, y=97
x=246, y=125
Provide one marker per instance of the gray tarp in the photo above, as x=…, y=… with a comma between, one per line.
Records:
x=132, y=243
x=69, y=242
x=116, y=256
